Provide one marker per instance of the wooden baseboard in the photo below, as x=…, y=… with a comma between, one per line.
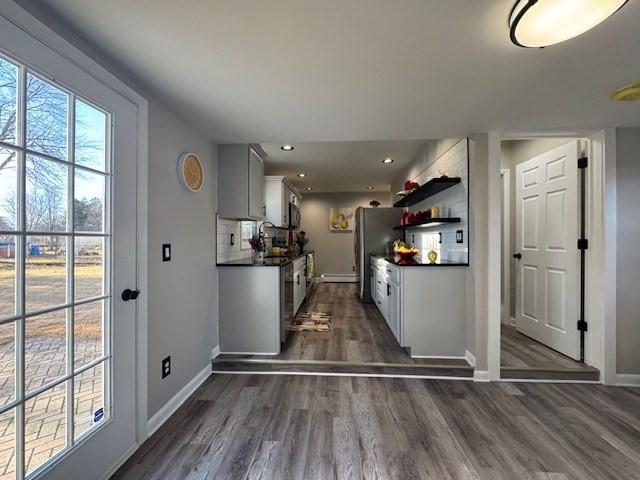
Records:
x=176, y=401
x=470, y=358
x=339, y=278
x=628, y=380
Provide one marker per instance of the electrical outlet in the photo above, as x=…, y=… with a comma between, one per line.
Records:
x=459, y=237
x=232, y=239
x=166, y=367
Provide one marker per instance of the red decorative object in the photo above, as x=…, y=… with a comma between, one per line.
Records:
x=410, y=186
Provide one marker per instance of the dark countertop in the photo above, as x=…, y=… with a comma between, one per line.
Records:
x=418, y=261
x=267, y=262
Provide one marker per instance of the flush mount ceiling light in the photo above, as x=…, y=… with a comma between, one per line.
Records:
x=370, y=187
x=302, y=175
x=628, y=93
x=540, y=23
x=387, y=160
x=287, y=148
x=308, y=189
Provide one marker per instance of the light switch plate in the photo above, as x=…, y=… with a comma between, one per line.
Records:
x=459, y=236
x=166, y=252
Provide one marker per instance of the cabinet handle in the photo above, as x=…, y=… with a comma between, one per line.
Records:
x=388, y=290
x=298, y=279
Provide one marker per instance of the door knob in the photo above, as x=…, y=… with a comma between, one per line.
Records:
x=517, y=255
x=128, y=294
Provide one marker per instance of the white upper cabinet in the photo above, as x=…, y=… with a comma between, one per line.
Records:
x=278, y=194
x=240, y=182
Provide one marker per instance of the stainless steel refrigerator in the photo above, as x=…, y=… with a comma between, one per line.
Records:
x=374, y=233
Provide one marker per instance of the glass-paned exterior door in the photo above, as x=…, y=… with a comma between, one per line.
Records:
x=55, y=287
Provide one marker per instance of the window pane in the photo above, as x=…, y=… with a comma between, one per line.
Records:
x=7, y=364
x=90, y=141
x=44, y=349
x=8, y=189
x=45, y=273
x=47, y=118
x=88, y=201
x=7, y=275
x=88, y=400
x=88, y=267
x=8, y=445
x=87, y=329
x=8, y=101
x=46, y=195
x=45, y=427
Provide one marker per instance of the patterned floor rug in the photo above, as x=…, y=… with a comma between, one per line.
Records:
x=311, y=322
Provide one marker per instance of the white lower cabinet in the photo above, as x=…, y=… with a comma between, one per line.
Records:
x=393, y=309
x=299, y=283
x=385, y=291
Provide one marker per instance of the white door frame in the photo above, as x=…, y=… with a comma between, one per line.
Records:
x=505, y=175
x=601, y=229
x=44, y=34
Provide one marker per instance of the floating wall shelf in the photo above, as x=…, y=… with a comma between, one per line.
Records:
x=433, y=186
x=432, y=222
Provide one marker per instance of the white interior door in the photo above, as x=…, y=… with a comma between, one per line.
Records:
x=68, y=159
x=547, y=220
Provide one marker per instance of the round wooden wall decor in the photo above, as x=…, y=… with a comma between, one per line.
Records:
x=191, y=172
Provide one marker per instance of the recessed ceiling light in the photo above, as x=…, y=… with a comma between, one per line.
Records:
x=540, y=23
x=308, y=189
x=302, y=175
x=287, y=148
x=628, y=93
x=370, y=187
x=387, y=160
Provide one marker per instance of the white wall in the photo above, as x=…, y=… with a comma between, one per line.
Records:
x=628, y=262
x=334, y=250
x=183, y=307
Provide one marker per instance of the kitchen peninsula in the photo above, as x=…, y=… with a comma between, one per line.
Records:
x=258, y=301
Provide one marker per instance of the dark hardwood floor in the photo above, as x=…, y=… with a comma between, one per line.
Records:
x=523, y=357
x=315, y=427
x=359, y=342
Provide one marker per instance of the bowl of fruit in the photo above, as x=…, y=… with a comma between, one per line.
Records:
x=403, y=252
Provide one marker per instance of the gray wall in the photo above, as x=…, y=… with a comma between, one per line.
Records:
x=513, y=153
x=334, y=250
x=183, y=307
x=628, y=239
x=183, y=302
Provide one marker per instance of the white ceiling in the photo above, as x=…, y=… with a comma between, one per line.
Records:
x=341, y=166
x=331, y=70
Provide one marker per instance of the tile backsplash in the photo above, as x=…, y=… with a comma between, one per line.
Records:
x=453, y=202
x=241, y=231
x=240, y=248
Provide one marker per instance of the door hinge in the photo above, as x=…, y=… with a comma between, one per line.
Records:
x=583, y=244
x=583, y=162
x=582, y=326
